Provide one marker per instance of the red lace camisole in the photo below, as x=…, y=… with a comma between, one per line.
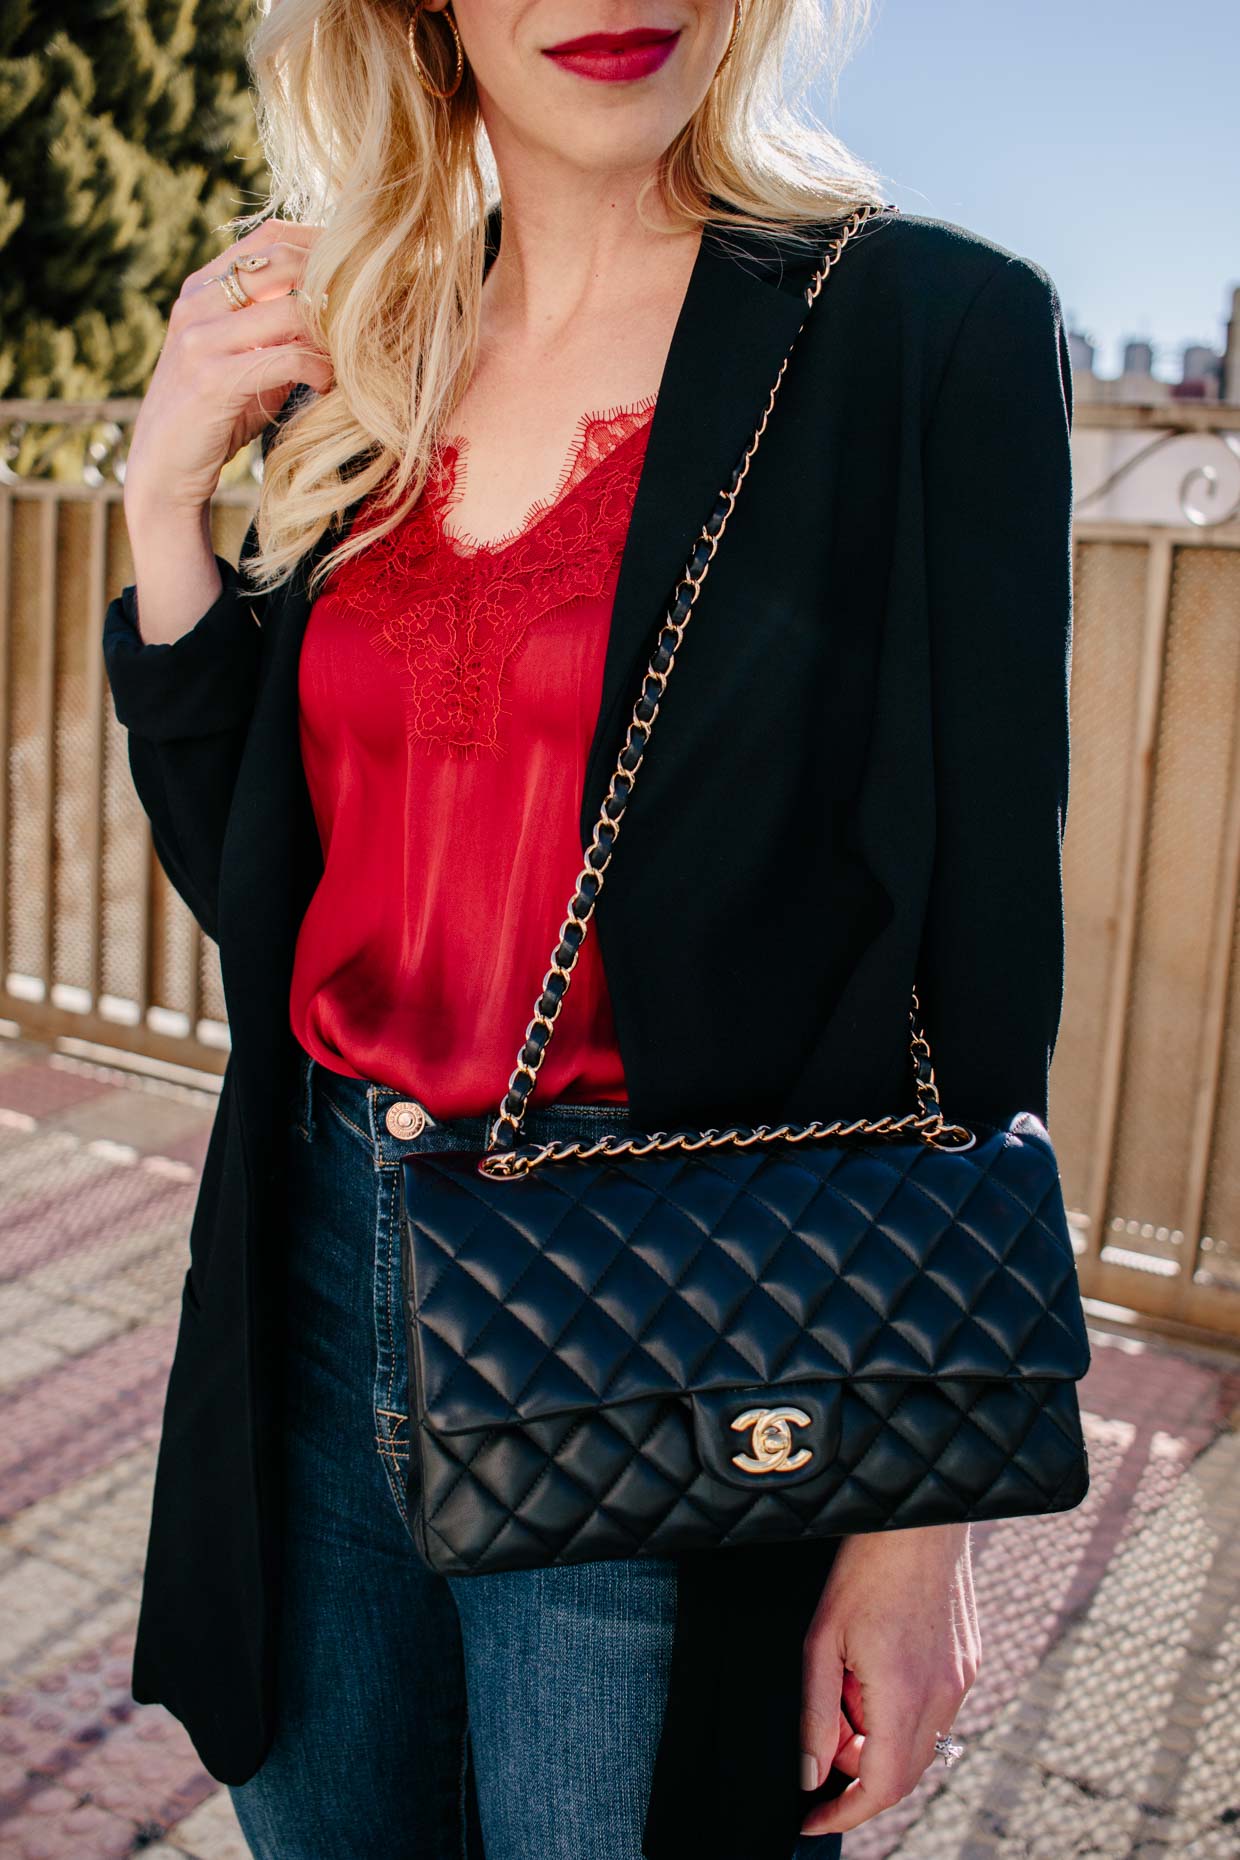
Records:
x=448, y=691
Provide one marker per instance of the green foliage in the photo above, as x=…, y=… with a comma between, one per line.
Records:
x=128, y=139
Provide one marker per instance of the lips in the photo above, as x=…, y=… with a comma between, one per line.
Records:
x=608, y=57
x=614, y=41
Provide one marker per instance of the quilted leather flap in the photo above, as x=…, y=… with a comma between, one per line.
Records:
x=585, y=1284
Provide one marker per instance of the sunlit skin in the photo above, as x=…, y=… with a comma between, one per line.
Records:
x=577, y=313
x=579, y=307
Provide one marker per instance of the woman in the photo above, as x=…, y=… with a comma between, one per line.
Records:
x=376, y=797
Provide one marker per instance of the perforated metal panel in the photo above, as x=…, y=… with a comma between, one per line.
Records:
x=1219, y=1261
x=29, y=772
x=97, y=940
x=1146, y=1077
x=125, y=835
x=1110, y=582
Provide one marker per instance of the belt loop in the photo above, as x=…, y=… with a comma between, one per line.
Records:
x=372, y=1118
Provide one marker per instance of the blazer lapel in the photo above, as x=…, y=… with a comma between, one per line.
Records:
x=742, y=308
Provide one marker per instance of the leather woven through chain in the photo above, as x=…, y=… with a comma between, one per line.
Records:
x=504, y=1158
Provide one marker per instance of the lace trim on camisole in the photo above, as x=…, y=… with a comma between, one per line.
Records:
x=456, y=609
x=598, y=434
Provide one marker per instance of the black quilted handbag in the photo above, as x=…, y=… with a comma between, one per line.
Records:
x=651, y=1343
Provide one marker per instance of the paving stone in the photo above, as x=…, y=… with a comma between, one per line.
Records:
x=58, y=1715
x=156, y=1124
x=1214, y=1844
x=16, y=1051
x=58, y=1826
x=1208, y=1801
x=72, y=1636
x=83, y=1414
x=97, y=1526
x=191, y=1149
x=211, y=1832
x=82, y=1199
x=135, y=1273
x=145, y=1771
x=41, y=1089
x=21, y=1306
x=35, y=1598
x=32, y=1164
x=22, y=1358
x=146, y=1282
x=1027, y=1569
x=1020, y=1814
x=73, y=1328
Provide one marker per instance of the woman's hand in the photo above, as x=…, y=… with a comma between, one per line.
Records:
x=222, y=374
x=889, y=1656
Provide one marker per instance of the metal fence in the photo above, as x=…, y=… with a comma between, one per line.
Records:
x=1145, y=1088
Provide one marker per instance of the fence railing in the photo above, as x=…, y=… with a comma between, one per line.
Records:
x=1145, y=1087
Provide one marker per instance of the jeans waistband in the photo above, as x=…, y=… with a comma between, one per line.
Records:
x=394, y=1123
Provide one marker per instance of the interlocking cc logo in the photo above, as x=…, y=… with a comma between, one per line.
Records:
x=772, y=1440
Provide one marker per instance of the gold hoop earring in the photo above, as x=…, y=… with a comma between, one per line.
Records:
x=419, y=68
x=736, y=26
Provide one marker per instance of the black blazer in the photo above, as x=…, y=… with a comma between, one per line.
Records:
x=858, y=780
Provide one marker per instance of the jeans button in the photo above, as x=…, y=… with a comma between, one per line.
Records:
x=406, y=1118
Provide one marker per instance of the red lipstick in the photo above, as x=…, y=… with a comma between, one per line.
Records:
x=609, y=57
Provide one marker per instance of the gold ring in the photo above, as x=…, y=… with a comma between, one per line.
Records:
x=230, y=284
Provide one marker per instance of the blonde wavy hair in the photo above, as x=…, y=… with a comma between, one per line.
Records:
x=401, y=184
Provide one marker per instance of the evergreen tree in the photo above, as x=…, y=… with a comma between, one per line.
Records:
x=127, y=136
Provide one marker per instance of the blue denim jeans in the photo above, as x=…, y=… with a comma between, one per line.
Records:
x=513, y=1715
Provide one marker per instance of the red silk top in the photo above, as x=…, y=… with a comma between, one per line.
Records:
x=449, y=690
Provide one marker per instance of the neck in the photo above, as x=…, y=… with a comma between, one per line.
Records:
x=575, y=251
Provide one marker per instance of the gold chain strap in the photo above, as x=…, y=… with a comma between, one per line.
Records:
x=503, y=1159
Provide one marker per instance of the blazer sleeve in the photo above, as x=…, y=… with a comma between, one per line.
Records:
x=998, y=515
x=185, y=705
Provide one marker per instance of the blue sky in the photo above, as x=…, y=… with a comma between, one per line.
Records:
x=1102, y=140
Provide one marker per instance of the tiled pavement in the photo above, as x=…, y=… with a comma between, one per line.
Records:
x=1106, y=1722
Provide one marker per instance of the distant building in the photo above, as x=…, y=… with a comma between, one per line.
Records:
x=1082, y=352
x=1203, y=371
x=1201, y=374
x=1231, y=352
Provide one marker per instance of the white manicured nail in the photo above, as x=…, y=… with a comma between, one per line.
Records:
x=809, y=1770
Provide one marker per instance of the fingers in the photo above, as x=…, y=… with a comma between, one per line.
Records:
x=202, y=299
x=280, y=244
x=226, y=361
x=889, y=1760
x=285, y=241
x=223, y=372
x=275, y=319
x=280, y=367
x=851, y=1744
x=882, y=1776
x=214, y=346
x=822, y=1719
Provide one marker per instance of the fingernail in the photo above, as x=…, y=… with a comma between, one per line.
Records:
x=809, y=1770
x=253, y=261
